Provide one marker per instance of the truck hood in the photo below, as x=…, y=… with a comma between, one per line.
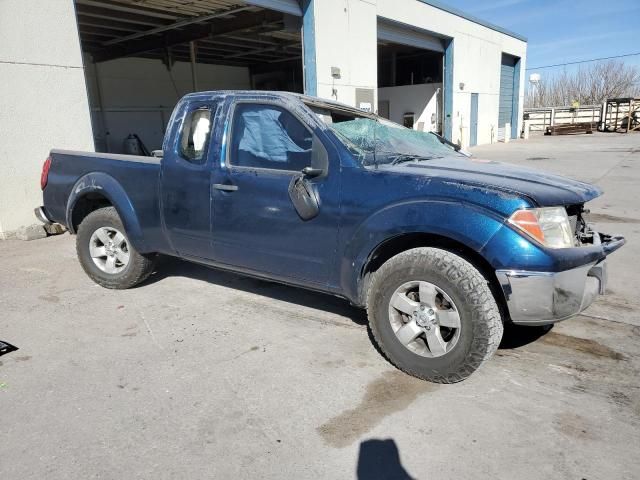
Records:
x=544, y=189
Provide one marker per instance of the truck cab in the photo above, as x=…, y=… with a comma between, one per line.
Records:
x=226, y=196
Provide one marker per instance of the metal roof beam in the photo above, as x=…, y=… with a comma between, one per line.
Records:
x=201, y=46
x=111, y=24
x=122, y=7
x=193, y=32
x=106, y=13
x=251, y=40
x=179, y=24
x=223, y=41
x=104, y=31
x=281, y=47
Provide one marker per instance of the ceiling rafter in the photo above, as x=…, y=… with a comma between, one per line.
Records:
x=191, y=33
x=226, y=32
x=130, y=8
x=108, y=14
x=177, y=25
x=111, y=24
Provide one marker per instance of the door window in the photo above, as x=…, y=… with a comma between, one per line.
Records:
x=194, y=138
x=267, y=136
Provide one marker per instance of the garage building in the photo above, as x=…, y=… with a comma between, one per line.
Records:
x=104, y=75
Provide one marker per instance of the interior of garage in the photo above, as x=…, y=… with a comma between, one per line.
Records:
x=410, y=86
x=141, y=57
x=410, y=78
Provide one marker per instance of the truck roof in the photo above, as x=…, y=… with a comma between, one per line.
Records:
x=307, y=99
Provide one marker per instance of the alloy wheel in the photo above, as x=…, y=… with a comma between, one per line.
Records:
x=424, y=319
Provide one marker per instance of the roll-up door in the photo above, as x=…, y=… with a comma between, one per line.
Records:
x=507, y=73
x=404, y=35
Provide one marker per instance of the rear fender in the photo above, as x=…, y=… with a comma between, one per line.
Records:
x=108, y=187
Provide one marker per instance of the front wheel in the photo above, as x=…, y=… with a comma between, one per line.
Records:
x=433, y=315
x=106, y=254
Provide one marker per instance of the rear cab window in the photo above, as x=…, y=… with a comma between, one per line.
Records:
x=195, y=135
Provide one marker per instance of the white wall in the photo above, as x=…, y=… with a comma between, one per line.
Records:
x=43, y=100
x=346, y=37
x=420, y=99
x=138, y=95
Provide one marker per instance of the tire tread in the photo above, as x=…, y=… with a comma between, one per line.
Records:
x=141, y=266
x=487, y=321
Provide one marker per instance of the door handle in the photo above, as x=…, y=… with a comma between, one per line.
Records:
x=225, y=187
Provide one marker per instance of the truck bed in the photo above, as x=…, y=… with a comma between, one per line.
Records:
x=74, y=171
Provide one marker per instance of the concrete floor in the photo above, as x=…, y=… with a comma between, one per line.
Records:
x=203, y=374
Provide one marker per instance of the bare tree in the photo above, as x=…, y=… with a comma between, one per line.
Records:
x=589, y=85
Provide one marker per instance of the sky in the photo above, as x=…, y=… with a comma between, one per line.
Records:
x=560, y=31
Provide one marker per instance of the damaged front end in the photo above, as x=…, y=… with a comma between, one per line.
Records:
x=538, y=298
x=586, y=235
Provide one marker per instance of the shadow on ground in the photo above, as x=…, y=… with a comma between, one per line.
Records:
x=174, y=267
x=514, y=336
x=380, y=460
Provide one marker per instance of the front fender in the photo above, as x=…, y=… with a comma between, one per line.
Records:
x=465, y=223
x=107, y=186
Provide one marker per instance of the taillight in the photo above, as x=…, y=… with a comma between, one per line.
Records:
x=44, y=177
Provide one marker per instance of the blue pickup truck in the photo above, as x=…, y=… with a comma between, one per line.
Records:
x=440, y=248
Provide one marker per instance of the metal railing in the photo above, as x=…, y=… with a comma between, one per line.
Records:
x=541, y=118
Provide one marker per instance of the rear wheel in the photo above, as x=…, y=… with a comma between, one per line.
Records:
x=106, y=254
x=433, y=315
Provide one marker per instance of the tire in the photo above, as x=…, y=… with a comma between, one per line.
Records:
x=90, y=247
x=460, y=291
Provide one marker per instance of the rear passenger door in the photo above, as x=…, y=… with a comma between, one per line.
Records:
x=255, y=224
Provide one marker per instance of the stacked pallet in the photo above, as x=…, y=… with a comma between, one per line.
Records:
x=571, y=128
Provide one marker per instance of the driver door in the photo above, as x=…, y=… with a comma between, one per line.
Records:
x=255, y=223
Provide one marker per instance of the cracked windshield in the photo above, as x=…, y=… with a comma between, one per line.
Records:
x=386, y=143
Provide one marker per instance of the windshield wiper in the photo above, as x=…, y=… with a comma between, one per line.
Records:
x=444, y=141
x=410, y=158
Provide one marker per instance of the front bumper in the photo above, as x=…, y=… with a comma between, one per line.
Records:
x=537, y=298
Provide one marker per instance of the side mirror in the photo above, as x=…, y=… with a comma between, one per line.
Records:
x=302, y=192
x=304, y=198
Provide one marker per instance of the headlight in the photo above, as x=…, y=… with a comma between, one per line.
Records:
x=550, y=226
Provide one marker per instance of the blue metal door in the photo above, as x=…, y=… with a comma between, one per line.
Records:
x=507, y=74
x=473, y=134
